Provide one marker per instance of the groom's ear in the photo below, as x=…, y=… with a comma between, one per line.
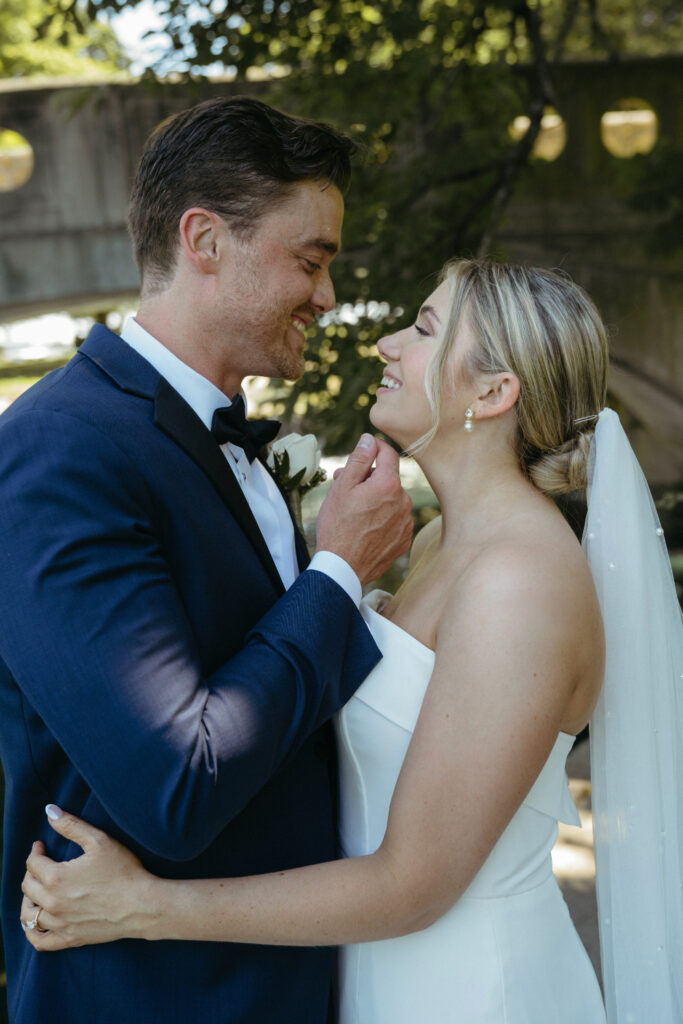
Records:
x=497, y=396
x=200, y=232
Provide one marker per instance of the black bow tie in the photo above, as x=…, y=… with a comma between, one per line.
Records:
x=231, y=424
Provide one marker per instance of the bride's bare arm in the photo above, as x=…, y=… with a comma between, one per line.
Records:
x=507, y=663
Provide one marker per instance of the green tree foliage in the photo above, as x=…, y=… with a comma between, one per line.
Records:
x=38, y=39
x=311, y=36
x=429, y=89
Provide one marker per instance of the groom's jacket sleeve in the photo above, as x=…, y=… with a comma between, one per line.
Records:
x=96, y=635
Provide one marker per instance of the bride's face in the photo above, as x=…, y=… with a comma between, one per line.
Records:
x=402, y=408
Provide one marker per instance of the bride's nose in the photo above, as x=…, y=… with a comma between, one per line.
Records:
x=389, y=347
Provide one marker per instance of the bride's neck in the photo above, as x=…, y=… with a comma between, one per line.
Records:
x=476, y=489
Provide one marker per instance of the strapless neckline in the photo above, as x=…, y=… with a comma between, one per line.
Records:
x=384, y=625
x=405, y=636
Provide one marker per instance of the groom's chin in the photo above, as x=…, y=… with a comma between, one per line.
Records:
x=290, y=371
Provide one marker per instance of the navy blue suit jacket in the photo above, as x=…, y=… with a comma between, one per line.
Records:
x=156, y=680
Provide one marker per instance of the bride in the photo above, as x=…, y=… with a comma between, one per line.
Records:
x=452, y=752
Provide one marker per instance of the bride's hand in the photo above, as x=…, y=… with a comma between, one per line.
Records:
x=98, y=897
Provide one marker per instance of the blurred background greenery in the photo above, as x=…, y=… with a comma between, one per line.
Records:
x=458, y=108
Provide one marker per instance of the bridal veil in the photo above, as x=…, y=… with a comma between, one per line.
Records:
x=636, y=740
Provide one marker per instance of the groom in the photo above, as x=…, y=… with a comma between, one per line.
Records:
x=167, y=670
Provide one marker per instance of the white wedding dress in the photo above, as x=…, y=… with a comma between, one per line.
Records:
x=507, y=952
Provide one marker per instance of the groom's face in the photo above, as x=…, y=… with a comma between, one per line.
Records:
x=277, y=280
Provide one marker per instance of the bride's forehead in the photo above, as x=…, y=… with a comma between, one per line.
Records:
x=440, y=299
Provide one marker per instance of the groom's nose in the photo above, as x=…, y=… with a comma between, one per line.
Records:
x=323, y=296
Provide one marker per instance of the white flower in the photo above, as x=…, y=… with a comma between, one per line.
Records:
x=295, y=463
x=303, y=457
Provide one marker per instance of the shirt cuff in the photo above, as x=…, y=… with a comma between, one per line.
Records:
x=340, y=571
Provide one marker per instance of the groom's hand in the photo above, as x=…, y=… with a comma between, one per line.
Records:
x=366, y=517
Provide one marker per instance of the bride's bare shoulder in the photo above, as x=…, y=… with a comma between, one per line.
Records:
x=527, y=604
x=532, y=572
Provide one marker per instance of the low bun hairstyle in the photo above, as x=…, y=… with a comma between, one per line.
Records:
x=563, y=469
x=543, y=328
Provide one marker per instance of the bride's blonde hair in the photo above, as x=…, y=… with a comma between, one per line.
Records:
x=543, y=328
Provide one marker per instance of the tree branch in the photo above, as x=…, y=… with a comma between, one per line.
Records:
x=499, y=195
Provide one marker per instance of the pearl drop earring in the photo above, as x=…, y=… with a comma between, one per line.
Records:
x=469, y=425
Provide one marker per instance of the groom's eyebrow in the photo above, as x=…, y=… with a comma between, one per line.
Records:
x=324, y=245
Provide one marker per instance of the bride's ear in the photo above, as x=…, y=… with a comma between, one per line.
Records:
x=497, y=397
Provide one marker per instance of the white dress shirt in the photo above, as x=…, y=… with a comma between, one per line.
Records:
x=265, y=501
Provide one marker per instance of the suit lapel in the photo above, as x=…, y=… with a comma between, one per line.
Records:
x=175, y=417
x=134, y=375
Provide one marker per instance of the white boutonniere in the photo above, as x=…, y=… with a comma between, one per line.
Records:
x=295, y=462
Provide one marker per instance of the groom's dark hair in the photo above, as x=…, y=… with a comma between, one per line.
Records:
x=237, y=157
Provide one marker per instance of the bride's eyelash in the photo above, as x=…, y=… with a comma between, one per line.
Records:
x=421, y=330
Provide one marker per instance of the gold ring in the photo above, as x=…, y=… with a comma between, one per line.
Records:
x=34, y=923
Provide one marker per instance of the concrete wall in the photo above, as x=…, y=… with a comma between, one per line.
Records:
x=63, y=239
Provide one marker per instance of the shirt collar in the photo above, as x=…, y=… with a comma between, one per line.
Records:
x=200, y=394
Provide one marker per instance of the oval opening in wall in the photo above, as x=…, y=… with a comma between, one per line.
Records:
x=16, y=160
x=551, y=138
x=630, y=126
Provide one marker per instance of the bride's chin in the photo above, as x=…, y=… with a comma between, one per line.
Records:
x=382, y=423
x=390, y=430
x=375, y=418
x=387, y=431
